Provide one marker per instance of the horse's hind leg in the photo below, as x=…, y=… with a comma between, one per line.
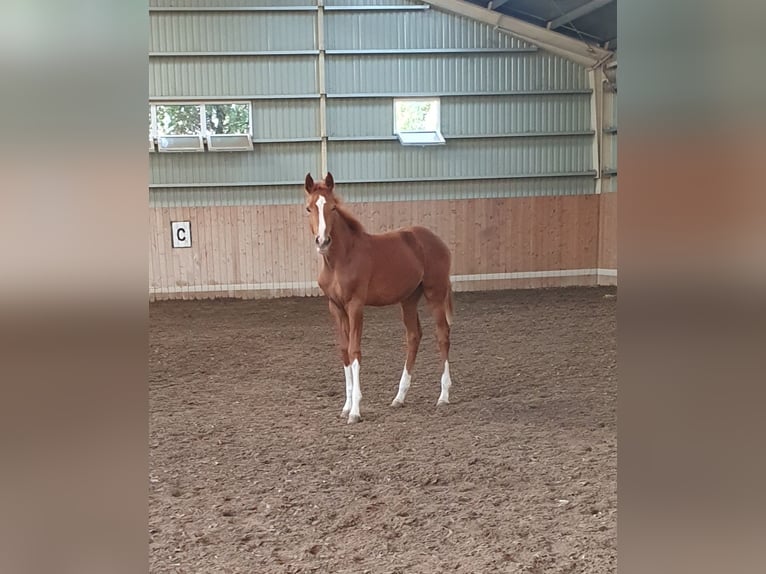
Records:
x=439, y=300
x=414, y=334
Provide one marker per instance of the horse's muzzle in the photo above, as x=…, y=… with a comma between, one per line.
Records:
x=323, y=246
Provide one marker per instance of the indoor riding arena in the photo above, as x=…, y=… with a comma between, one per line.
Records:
x=492, y=124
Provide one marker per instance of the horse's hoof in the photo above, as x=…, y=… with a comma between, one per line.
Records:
x=442, y=402
x=344, y=413
x=354, y=419
x=396, y=403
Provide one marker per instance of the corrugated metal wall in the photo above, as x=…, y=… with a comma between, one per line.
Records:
x=517, y=120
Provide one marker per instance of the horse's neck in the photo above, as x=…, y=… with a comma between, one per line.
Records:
x=344, y=241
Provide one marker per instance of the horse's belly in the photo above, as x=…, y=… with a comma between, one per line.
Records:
x=391, y=290
x=396, y=272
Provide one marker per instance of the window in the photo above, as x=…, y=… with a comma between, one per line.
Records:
x=224, y=126
x=178, y=127
x=417, y=121
x=151, y=129
x=228, y=126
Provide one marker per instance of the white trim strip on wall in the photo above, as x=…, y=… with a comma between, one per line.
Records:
x=313, y=284
x=534, y=274
x=235, y=287
x=608, y=272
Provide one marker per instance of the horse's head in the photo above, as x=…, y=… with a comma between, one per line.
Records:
x=321, y=204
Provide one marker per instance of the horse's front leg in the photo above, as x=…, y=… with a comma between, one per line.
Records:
x=341, y=324
x=355, y=312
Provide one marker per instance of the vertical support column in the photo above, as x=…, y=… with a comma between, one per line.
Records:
x=322, y=87
x=596, y=113
x=203, y=121
x=608, y=151
x=595, y=79
x=600, y=105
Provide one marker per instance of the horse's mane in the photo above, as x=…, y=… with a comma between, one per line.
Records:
x=353, y=223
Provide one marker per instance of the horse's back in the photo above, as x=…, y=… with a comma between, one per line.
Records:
x=432, y=244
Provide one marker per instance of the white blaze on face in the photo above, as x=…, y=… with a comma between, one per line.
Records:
x=322, y=233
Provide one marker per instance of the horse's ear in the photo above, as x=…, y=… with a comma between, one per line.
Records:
x=329, y=181
x=309, y=183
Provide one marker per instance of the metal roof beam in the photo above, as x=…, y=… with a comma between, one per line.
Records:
x=496, y=4
x=580, y=52
x=578, y=12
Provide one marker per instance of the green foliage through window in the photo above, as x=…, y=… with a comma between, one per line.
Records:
x=186, y=119
x=175, y=120
x=417, y=115
x=228, y=118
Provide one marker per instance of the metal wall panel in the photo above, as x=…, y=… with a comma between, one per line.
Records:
x=515, y=114
x=450, y=73
x=470, y=158
x=211, y=196
x=466, y=189
x=267, y=163
x=233, y=77
x=374, y=192
x=360, y=117
x=228, y=3
x=467, y=116
x=285, y=119
x=411, y=29
x=372, y=3
x=231, y=31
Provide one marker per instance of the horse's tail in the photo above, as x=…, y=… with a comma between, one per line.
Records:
x=449, y=305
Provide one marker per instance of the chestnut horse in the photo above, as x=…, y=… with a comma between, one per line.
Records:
x=361, y=269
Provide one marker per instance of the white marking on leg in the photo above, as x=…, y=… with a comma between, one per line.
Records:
x=349, y=385
x=356, y=393
x=322, y=233
x=446, y=384
x=404, y=385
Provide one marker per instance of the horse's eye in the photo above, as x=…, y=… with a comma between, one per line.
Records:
x=333, y=208
x=308, y=209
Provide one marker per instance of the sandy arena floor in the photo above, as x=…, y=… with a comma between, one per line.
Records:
x=252, y=470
